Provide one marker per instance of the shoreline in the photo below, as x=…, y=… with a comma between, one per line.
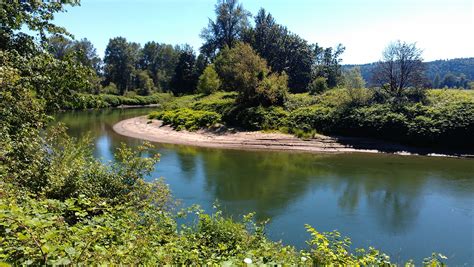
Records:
x=154, y=131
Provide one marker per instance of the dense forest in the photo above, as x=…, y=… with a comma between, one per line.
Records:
x=450, y=73
x=60, y=205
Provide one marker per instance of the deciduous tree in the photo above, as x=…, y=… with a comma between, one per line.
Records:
x=327, y=64
x=242, y=70
x=228, y=28
x=160, y=61
x=120, y=62
x=401, y=67
x=36, y=16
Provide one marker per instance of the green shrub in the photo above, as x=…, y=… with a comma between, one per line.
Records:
x=301, y=100
x=272, y=90
x=315, y=117
x=242, y=70
x=89, y=101
x=258, y=118
x=375, y=121
x=221, y=102
x=111, y=88
x=209, y=81
x=185, y=101
x=318, y=86
x=186, y=118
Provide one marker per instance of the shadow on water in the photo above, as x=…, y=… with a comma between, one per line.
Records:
x=467, y=150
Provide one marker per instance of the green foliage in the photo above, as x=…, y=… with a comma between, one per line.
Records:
x=299, y=100
x=88, y=101
x=354, y=83
x=39, y=231
x=220, y=102
x=120, y=59
x=353, y=79
x=327, y=64
x=446, y=118
x=209, y=81
x=82, y=51
x=36, y=16
x=23, y=118
x=272, y=90
x=185, y=77
x=185, y=101
x=282, y=49
x=230, y=24
x=318, y=86
x=188, y=119
x=443, y=118
x=110, y=89
x=333, y=249
x=55, y=82
x=258, y=118
x=144, y=83
x=160, y=61
x=59, y=205
x=242, y=70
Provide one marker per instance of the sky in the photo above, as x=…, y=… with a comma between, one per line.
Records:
x=443, y=29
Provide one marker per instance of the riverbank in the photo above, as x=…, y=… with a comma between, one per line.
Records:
x=154, y=131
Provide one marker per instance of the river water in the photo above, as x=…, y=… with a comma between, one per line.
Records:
x=406, y=206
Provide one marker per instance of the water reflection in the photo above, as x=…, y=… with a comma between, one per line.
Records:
x=269, y=183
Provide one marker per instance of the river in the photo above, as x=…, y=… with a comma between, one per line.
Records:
x=406, y=206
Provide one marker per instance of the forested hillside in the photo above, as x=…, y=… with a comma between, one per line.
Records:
x=451, y=73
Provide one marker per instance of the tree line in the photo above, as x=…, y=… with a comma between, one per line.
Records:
x=159, y=67
x=452, y=73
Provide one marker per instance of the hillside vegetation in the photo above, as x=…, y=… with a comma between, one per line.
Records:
x=452, y=73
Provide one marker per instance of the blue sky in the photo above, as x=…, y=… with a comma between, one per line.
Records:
x=442, y=28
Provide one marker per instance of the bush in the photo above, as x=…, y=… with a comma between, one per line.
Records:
x=111, y=88
x=186, y=118
x=221, y=102
x=317, y=117
x=144, y=84
x=209, y=81
x=88, y=101
x=272, y=90
x=258, y=118
x=447, y=118
x=241, y=69
x=318, y=85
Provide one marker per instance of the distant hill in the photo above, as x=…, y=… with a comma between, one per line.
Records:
x=457, y=67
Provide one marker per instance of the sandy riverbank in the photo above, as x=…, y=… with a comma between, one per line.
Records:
x=140, y=127
x=154, y=131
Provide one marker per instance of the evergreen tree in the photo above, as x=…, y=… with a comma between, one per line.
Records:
x=437, y=81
